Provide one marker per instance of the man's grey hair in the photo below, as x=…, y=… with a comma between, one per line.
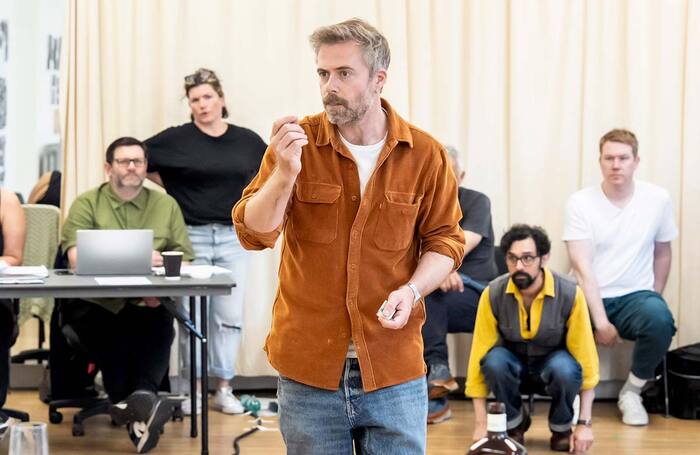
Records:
x=453, y=153
x=375, y=48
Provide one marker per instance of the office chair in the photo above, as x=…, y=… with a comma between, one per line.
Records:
x=73, y=374
x=39, y=249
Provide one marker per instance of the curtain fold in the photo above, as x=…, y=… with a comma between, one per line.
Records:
x=524, y=89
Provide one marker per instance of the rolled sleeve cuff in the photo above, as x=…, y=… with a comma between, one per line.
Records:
x=250, y=239
x=445, y=250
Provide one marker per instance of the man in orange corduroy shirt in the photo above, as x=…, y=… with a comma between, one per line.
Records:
x=368, y=206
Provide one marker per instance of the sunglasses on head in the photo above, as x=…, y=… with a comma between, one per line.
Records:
x=200, y=77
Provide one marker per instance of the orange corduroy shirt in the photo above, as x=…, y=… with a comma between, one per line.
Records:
x=343, y=254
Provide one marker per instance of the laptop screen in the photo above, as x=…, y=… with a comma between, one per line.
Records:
x=114, y=252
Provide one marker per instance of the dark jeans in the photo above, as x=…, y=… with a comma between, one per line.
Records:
x=447, y=312
x=132, y=348
x=557, y=374
x=7, y=339
x=644, y=318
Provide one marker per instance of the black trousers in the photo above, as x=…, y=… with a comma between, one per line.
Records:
x=8, y=335
x=131, y=348
x=447, y=312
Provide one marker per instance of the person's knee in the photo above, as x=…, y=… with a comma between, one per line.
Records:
x=563, y=371
x=656, y=319
x=497, y=362
x=566, y=373
x=228, y=322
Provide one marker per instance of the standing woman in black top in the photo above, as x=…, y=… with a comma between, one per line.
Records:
x=205, y=165
x=13, y=231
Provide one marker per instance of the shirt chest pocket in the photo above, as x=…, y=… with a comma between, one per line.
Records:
x=552, y=330
x=396, y=220
x=314, y=215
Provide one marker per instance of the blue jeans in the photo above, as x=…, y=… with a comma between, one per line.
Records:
x=557, y=374
x=643, y=317
x=387, y=421
x=217, y=244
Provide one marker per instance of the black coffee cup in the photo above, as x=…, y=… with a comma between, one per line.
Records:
x=172, y=260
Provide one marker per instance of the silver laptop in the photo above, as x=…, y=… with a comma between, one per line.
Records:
x=114, y=252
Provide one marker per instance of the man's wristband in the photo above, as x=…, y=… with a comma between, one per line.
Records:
x=585, y=422
x=416, y=293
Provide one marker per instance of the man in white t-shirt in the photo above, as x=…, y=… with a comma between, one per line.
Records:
x=618, y=236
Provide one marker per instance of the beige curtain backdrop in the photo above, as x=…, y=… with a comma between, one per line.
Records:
x=523, y=88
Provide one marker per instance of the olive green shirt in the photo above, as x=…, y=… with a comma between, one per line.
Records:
x=102, y=208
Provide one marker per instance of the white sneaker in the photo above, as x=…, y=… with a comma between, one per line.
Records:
x=187, y=405
x=226, y=402
x=632, y=409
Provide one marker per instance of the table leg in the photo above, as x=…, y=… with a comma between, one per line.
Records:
x=193, y=373
x=205, y=373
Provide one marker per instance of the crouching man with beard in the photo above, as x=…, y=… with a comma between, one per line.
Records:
x=533, y=334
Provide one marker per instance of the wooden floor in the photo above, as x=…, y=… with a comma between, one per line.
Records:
x=662, y=436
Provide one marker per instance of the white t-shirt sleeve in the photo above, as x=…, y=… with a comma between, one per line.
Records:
x=576, y=224
x=667, y=225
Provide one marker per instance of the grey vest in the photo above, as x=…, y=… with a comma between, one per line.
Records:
x=551, y=334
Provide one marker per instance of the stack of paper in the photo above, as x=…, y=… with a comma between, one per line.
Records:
x=24, y=275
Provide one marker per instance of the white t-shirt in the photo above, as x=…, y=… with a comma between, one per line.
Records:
x=366, y=160
x=623, y=238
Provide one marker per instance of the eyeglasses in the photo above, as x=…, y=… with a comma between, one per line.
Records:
x=526, y=259
x=125, y=162
x=200, y=77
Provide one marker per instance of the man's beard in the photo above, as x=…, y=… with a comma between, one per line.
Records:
x=339, y=111
x=132, y=184
x=522, y=280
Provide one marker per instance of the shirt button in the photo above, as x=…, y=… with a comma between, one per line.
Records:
x=313, y=196
x=354, y=198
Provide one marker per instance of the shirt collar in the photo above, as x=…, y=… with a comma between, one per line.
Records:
x=547, y=289
x=398, y=129
x=115, y=201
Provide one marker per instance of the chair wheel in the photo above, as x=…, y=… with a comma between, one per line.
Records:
x=78, y=429
x=55, y=417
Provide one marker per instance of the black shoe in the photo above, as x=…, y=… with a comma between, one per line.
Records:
x=518, y=433
x=559, y=442
x=135, y=407
x=145, y=434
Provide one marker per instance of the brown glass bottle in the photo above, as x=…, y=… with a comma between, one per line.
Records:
x=497, y=440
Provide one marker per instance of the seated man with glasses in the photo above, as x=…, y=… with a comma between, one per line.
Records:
x=128, y=338
x=533, y=330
